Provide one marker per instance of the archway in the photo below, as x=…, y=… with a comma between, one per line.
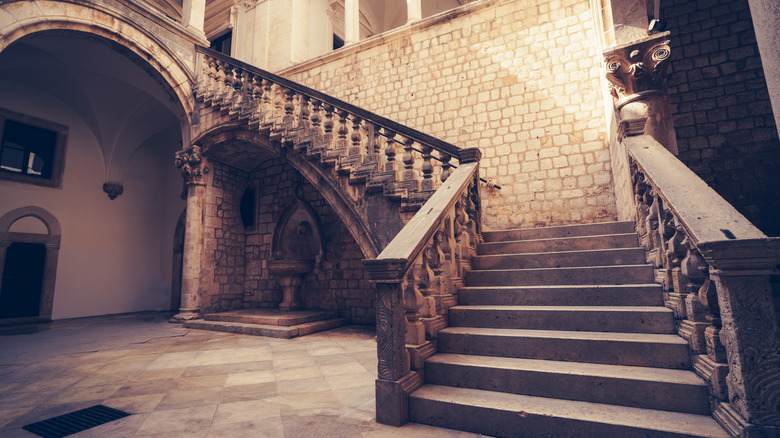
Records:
x=31, y=250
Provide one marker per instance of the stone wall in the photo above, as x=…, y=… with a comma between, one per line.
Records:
x=519, y=79
x=223, y=261
x=339, y=282
x=723, y=117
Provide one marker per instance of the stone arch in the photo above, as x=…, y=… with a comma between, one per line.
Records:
x=139, y=44
x=336, y=198
x=50, y=240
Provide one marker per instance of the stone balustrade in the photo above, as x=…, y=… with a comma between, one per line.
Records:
x=362, y=152
x=417, y=277
x=718, y=273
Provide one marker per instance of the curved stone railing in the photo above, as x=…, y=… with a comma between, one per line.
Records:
x=717, y=271
x=417, y=277
x=356, y=147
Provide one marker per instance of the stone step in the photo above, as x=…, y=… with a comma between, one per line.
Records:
x=623, y=319
x=628, y=240
x=271, y=331
x=598, y=257
x=593, y=295
x=513, y=415
x=628, y=274
x=268, y=316
x=634, y=349
x=560, y=231
x=641, y=387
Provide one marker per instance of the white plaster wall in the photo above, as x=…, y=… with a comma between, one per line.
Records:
x=115, y=256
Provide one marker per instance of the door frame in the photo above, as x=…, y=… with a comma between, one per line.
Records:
x=52, y=242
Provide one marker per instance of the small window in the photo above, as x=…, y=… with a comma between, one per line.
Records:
x=31, y=150
x=247, y=209
x=337, y=42
x=222, y=43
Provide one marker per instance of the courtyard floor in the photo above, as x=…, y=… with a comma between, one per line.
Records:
x=179, y=382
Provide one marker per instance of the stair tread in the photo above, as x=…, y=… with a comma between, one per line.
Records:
x=663, y=375
x=562, y=286
x=659, y=309
x=557, y=253
x=569, y=268
x=567, y=334
x=587, y=237
x=524, y=405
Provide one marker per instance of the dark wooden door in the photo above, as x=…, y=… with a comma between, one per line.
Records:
x=20, y=290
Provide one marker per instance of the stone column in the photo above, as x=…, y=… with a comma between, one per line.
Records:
x=351, y=21
x=193, y=166
x=742, y=271
x=413, y=10
x=766, y=24
x=637, y=76
x=193, y=15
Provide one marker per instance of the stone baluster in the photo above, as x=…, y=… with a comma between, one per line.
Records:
x=289, y=105
x=427, y=168
x=342, y=131
x=267, y=107
x=409, y=175
x=390, y=152
x=446, y=167
x=356, y=137
x=316, y=119
x=328, y=123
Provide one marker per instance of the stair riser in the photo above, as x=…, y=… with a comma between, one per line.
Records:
x=573, y=244
x=573, y=296
x=558, y=232
x=648, y=354
x=630, y=256
x=661, y=322
x=514, y=424
x=635, y=393
x=594, y=275
x=269, y=320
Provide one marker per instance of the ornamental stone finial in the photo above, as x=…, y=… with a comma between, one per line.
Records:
x=192, y=164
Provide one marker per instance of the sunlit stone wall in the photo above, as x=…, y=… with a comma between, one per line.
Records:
x=519, y=79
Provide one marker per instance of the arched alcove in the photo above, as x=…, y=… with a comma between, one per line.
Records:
x=28, y=264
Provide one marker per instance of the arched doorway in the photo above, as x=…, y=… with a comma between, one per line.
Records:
x=29, y=251
x=178, y=262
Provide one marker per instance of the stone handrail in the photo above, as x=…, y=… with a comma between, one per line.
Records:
x=417, y=276
x=716, y=269
x=356, y=145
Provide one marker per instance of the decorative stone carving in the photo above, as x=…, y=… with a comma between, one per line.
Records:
x=113, y=189
x=638, y=69
x=637, y=83
x=192, y=164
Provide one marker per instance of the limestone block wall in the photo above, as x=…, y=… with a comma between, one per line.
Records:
x=722, y=113
x=339, y=282
x=519, y=79
x=223, y=259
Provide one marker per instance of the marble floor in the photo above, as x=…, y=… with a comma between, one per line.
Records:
x=180, y=382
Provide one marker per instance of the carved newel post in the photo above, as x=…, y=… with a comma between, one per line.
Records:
x=193, y=168
x=745, y=272
x=637, y=76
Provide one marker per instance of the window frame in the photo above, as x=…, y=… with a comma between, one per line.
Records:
x=58, y=161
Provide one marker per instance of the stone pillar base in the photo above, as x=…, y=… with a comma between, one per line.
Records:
x=185, y=315
x=392, y=399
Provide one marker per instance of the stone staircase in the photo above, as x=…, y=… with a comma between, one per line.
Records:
x=562, y=331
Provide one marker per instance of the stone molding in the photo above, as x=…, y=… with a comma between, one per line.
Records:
x=113, y=189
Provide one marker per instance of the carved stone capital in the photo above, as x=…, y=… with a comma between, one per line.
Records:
x=637, y=69
x=192, y=164
x=113, y=189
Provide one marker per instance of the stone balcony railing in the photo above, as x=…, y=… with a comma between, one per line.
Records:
x=358, y=149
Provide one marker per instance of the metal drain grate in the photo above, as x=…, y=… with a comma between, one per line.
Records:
x=77, y=421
